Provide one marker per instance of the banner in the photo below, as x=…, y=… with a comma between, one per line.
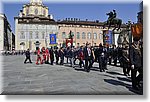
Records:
x=52, y=39
x=108, y=37
x=69, y=42
x=137, y=30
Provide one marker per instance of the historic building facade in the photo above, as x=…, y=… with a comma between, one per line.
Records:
x=83, y=31
x=5, y=34
x=33, y=26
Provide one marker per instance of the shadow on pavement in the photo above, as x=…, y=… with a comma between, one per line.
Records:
x=124, y=79
x=114, y=73
x=116, y=82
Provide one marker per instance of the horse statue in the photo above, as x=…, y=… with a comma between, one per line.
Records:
x=113, y=21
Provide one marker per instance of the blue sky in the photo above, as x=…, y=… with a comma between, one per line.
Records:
x=90, y=11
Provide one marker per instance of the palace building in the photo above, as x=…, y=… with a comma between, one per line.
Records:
x=83, y=31
x=33, y=26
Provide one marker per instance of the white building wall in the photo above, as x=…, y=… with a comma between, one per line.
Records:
x=34, y=28
x=1, y=33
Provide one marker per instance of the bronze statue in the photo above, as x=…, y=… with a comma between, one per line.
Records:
x=71, y=35
x=112, y=20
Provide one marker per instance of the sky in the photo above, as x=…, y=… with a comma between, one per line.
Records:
x=91, y=11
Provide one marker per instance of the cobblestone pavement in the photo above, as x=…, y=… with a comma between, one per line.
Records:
x=20, y=78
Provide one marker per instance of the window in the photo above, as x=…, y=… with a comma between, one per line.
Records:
x=22, y=35
x=44, y=12
x=30, y=35
x=63, y=35
x=43, y=35
x=37, y=35
x=89, y=35
x=27, y=11
x=36, y=11
x=95, y=36
x=83, y=35
x=100, y=36
x=78, y=35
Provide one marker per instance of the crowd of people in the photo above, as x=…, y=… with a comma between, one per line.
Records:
x=103, y=55
x=87, y=55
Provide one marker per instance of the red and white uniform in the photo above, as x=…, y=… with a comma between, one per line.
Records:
x=38, y=57
x=44, y=54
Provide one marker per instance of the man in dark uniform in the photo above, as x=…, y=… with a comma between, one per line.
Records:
x=57, y=55
x=27, y=53
x=100, y=57
x=114, y=52
x=51, y=55
x=88, y=58
x=120, y=53
x=125, y=60
x=61, y=53
x=135, y=56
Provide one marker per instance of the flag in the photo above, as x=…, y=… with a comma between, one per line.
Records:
x=108, y=37
x=52, y=39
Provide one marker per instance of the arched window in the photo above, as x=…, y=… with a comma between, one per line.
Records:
x=89, y=35
x=83, y=35
x=37, y=35
x=36, y=11
x=30, y=35
x=78, y=35
x=95, y=36
x=22, y=35
x=101, y=35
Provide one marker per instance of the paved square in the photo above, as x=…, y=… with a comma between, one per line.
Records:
x=20, y=78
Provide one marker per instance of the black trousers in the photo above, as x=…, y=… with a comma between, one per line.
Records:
x=88, y=64
x=80, y=63
x=109, y=60
x=101, y=63
x=52, y=62
x=126, y=68
x=27, y=58
x=57, y=59
x=61, y=61
x=136, y=79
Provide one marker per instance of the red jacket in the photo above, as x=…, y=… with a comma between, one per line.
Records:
x=38, y=52
x=47, y=52
x=81, y=55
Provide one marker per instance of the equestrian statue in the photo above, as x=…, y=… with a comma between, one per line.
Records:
x=112, y=20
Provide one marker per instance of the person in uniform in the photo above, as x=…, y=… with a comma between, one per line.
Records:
x=125, y=60
x=115, y=55
x=38, y=57
x=51, y=51
x=57, y=55
x=88, y=58
x=61, y=53
x=44, y=55
x=136, y=64
x=119, y=53
x=27, y=53
x=71, y=56
x=47, y=56
x=81, y=57
x=100, y=57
